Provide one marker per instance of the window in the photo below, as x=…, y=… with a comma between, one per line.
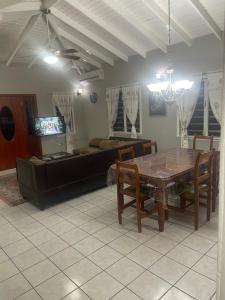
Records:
x=122, y=123
x=203, y=121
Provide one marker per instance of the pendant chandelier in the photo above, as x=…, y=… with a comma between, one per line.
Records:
x=168, y=89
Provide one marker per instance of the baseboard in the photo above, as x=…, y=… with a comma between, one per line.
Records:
x=7, y=172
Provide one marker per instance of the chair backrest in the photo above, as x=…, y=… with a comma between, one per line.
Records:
x=209, y=139
x=127, y=174
x=203, y=168
x=147, y=147
x=126, y=153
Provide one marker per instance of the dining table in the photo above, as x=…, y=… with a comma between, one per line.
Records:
x=163, y=168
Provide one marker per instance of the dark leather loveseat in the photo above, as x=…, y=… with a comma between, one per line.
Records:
x=65, y=178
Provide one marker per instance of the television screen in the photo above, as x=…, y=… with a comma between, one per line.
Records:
x=49, y=126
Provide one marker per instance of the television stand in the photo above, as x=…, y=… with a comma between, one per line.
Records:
x=56, y=155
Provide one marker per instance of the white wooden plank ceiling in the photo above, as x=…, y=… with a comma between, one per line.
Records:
x=103, y=30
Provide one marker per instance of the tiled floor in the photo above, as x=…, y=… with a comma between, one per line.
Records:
x=77, y=250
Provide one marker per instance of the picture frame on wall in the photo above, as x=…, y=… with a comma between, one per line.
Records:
x=157, y=107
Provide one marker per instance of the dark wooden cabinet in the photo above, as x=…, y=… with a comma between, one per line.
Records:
x=16, y=132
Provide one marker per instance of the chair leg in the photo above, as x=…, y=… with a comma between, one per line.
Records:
x=120, y=203
x=182, y=203
x=209, y=199
x=161, y=212
x=196, y=213
x=167, y=214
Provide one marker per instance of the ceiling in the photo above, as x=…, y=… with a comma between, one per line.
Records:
x=103, y=30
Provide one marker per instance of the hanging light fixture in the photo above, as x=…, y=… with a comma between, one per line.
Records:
x=168, y=89
x=50, y=58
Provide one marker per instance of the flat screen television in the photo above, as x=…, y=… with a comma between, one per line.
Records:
x=49, y=126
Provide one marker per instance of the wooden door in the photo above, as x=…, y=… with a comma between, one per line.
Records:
x=16, y=138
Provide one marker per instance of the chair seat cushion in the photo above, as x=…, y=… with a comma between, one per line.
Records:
x=188, y=187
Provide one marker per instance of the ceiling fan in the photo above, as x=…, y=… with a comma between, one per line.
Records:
x=54, y=53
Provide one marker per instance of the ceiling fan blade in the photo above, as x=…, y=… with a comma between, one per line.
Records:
x=70, y=57
x=68, y=51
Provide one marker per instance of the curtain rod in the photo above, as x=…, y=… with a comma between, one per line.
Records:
x=205, y=73
x=124, y=85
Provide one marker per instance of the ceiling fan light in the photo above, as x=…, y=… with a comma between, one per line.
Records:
x=51, y=59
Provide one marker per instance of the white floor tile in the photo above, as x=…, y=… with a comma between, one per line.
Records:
x=7, y=270
x=105, y=257
x=74, y=236
x=62, y=227
x=88, y=245
x=56, y=287
x=13, y=287
x=198, y=243
x=184, y=255
x=53, y=246
x=40, y=272
x=126, y=294
x=107, y=235
x=176, y=233
x=144, y=256
x=206, y=266
x=197, y=286
x=148, y=286
x=168, y=269
x=3, y=256
x=82, y=271
x=124, y=244
x=175, y=294
x=102, y=287
x=80, y=219
x=66, y=258
x=32, y=294
x=41, y=237
x=161, y=244
x=125, y=270
x=93, y=226
x=28, y=259
x=142, y=237
x=77, y=295
x=7, y=238
x=212, y=252
x=18, y=247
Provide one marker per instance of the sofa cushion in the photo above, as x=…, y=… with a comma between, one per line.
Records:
x=108, y=144
x=37, y=161
x=95, y=142
x=86, y=150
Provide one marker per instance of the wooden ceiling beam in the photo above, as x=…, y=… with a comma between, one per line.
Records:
x=197, y=5
x=89, y=34
x=157, y=11
x=90, y=50
x=149, y=33
x=126, y=39
x=26, y=30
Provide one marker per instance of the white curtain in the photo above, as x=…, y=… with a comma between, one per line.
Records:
x=112, y=99
x=65, y=104
x=185, y=108
x=215, y=91
x=130, y=97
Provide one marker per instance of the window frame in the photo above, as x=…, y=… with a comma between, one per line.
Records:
x=125, y=132
x=205, y=117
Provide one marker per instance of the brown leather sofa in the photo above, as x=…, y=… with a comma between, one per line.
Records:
x=48, y=182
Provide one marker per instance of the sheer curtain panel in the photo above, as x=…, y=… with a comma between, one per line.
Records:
x=65, y=104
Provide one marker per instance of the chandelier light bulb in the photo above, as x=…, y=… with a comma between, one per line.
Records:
x=51, y=59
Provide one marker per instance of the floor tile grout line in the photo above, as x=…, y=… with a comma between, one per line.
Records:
x=108, y=225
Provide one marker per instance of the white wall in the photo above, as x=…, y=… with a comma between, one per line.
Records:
x=204, y=55
x=42, y=81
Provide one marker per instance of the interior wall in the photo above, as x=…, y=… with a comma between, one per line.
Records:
x=204, y=55
x=43, y=81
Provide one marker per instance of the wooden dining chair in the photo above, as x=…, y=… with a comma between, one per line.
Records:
x=126, y=153
x=201, y=186
x=209, y=139
x=147, y=147
x=129, y=184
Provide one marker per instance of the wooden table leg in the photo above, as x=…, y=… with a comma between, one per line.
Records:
x=162, y=205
